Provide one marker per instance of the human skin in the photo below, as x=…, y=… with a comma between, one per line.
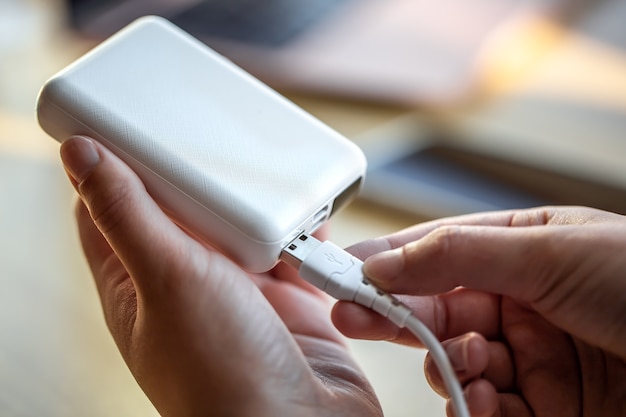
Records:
x=530, y=304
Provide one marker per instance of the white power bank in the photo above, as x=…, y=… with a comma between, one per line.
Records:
x=232, y=161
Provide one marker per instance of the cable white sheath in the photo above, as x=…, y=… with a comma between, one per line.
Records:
x=340, y=275
x=440, y=357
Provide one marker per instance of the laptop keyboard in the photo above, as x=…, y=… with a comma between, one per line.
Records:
x=263, y=22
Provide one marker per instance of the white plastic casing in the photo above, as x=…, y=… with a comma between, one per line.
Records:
x=231, y=160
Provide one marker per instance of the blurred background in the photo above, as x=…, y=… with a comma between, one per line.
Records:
x=460, y=106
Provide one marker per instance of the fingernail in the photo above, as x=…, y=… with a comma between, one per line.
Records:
x=384, y=266
x=80, y=156
x=458, y=352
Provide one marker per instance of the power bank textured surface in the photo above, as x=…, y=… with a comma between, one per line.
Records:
x=230, y=159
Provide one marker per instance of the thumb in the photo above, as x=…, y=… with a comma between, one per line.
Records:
x=134, y=226
x=525, y=263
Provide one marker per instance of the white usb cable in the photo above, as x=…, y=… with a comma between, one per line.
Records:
x=339, y=274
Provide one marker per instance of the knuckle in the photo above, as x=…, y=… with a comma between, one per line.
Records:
x=426, y=262
x=444, y=239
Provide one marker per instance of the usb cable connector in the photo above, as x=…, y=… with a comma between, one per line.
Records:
x=299, y=249
x=339, y=274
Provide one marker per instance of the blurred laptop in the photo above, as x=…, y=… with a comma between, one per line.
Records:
x=398, y=51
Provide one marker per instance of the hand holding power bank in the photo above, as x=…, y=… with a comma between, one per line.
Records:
x=230, y=159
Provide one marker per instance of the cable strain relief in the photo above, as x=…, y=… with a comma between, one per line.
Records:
x=399, y=313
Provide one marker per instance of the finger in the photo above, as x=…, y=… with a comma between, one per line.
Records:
x=509, y=218
x=367, y=248
x=500, y=371
x=117, y=291
x=514, y=405
x=482, y=400
x=94, y=244
x=473, y=357
x=469, y=356
x=128, y=218
x=445, y=315
x=290, y=301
